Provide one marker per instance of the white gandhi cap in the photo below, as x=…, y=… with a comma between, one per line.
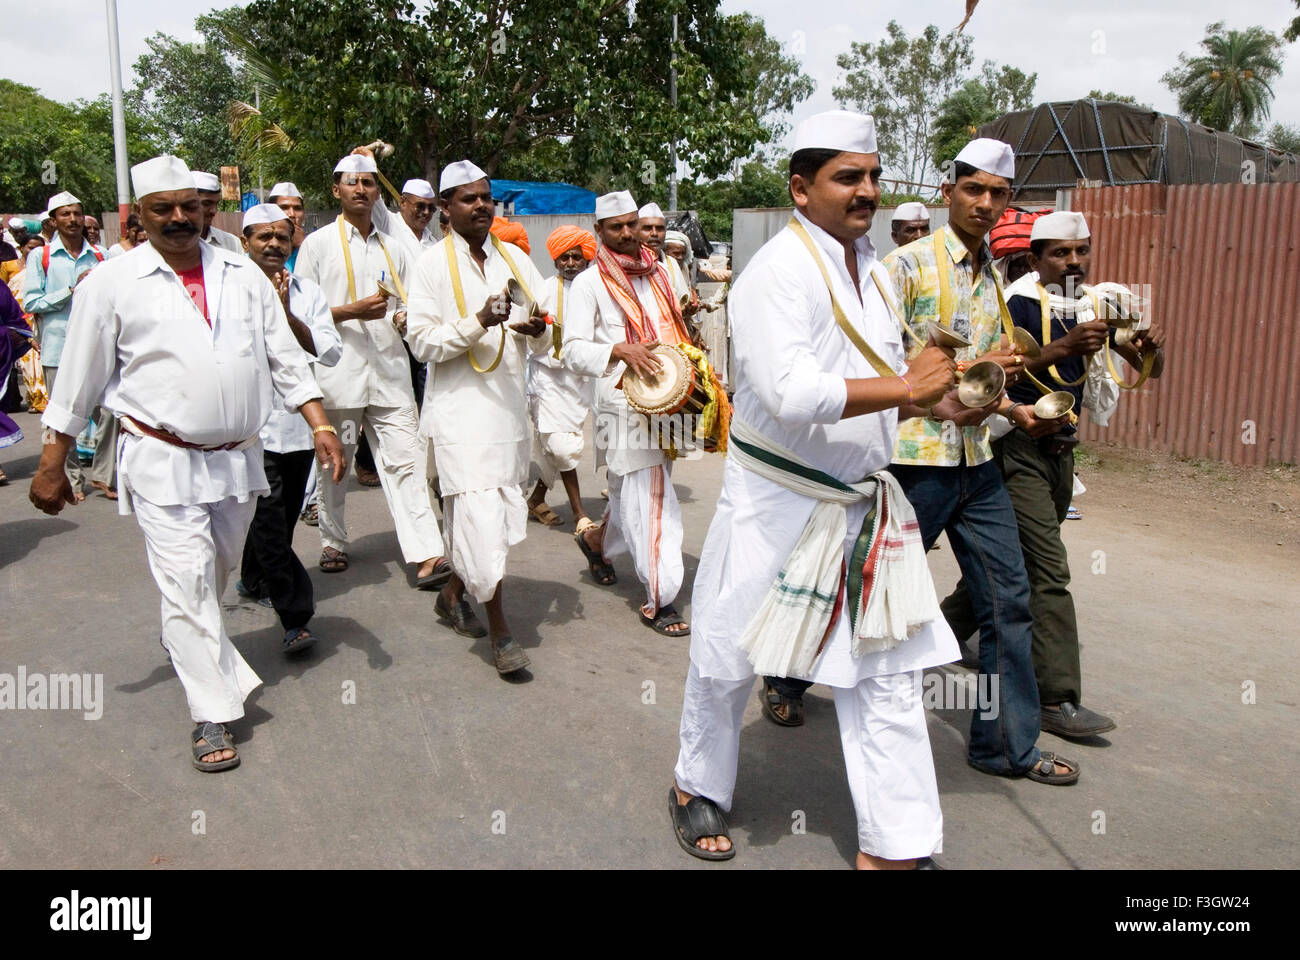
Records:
x=651, y=210
x=1063, y=225
x=418, y=188
x=910, y=211
x=356, y=163
x=263, y=213
x=59, y=200
x=840, y=130
x=284, y=189
x=458, y=174
x=615, y=204
x=206, y=182
x=160, y=174
x=991, y=156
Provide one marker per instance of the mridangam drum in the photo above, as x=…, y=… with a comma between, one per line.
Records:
x=676, y=389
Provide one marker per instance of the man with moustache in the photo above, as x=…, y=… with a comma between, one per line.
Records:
x=184, y=312
x=1036, y=458
x=92, y=229
x=812, y=567
x=52, y=276
x=270, y=569
x=911, y=221
x=558, y=399
x=350, y=259
x=480, y=435
x=619, y=310
x=944, y=461
x=209, y=187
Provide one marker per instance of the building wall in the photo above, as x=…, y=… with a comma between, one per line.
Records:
x=1221, y=267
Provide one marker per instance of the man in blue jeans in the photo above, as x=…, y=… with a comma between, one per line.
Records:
x=944, y=462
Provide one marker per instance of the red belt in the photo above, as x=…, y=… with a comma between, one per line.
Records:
x=165, y=436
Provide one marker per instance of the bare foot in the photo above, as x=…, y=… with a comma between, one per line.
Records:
x=712, y=844
x=868, y=862
x=216, y=755
x=428, y=567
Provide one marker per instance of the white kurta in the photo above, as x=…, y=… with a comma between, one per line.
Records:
x=593, y=324
x=136, y=339
x=373, y=369
x=791, y=361
x=478, y=422
x=286, y=432
x=559, y=399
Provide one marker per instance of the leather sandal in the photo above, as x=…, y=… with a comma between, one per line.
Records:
x=461, y=617
x=699, y=817
x=1044, y=770
x=781, y=710
x=508, y=655
x=215, y=738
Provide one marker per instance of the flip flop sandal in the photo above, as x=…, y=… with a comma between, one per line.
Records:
x=602, y=572
x=333, y=561
x=216, y=738
x=698, y=817
x=544, y=515
x=665, y=618
x=437, y=579
x=461, y=617
x=1042, y=771
x=296, y=640
x=793, y=714
x=508, y=655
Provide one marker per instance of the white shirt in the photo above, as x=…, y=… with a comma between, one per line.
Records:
x=286, y=432
x=226, y=241
x=478, y=422
x=136, y=339
x=392, y=225
x=593, y=323
x=373, y=369
x=559, y=398
x=791, y=361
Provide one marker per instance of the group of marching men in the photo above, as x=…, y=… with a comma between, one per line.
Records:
x=234, y=377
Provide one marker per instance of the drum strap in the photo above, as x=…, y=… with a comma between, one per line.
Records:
x=864, y=348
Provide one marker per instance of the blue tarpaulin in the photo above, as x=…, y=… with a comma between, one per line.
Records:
x=543, y=197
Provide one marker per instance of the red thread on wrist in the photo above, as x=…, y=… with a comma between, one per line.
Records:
x=909, y=387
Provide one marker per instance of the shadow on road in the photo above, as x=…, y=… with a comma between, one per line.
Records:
x=22, y=536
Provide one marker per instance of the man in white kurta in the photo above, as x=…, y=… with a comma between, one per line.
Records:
x=209, y=187
x=349, y=259
x=559, y=399
x=474, y=341
x=803, y=386
x=186, y=344
x=643, y=516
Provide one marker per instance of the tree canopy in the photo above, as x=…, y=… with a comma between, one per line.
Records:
x=1229, y=85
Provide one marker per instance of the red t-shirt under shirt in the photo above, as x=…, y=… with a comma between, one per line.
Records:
x=193, y=280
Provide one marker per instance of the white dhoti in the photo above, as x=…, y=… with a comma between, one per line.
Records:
x=192, y=550
x=554, y=454
x=644, y=518
x=401, y=461
x=886, y=755
x=482, y=526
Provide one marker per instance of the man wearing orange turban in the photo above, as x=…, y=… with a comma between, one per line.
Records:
x=558, y=398
x=509, y=232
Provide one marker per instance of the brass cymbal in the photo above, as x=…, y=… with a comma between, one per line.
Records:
x=947, y=336
x=1054, y=405
x=981, y=383
x=1023, y=343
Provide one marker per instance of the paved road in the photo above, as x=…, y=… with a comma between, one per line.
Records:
x=441, y=763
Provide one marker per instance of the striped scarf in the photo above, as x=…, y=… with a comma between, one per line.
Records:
x=614, y=271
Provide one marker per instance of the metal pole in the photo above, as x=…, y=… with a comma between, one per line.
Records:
x=257, y=105
x=672, y=93
x=119, y=118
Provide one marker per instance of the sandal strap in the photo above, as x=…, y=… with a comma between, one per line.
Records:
x=215, y=735
x=705, y=819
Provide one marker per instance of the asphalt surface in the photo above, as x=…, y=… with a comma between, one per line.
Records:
x=441, y=763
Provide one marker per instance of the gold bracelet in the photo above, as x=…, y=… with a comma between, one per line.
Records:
x=326, y=427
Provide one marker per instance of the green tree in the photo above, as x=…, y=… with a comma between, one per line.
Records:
x=1292, y=32
x=1118, y=98
x=1228, y=86
x=490, y=79
x=907, y=83
x=760, y=183
x=61, y=146
x=1284, y=137
x=774, y=82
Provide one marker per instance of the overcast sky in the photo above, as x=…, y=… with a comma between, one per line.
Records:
x=1141, y=40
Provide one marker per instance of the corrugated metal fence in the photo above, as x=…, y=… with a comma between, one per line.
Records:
x=1220, y=265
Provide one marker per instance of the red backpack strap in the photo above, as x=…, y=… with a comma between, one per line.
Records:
x=45, y=259
x=99, y=254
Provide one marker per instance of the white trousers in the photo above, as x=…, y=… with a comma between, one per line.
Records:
x=554, y=454
x=644, y=518
x=192, y=551
x=886, y=755
x=401, y=461
x=482, y=526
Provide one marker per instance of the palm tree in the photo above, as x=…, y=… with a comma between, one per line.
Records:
x=1228, y=87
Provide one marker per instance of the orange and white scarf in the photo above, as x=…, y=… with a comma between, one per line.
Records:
x=614, y=271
